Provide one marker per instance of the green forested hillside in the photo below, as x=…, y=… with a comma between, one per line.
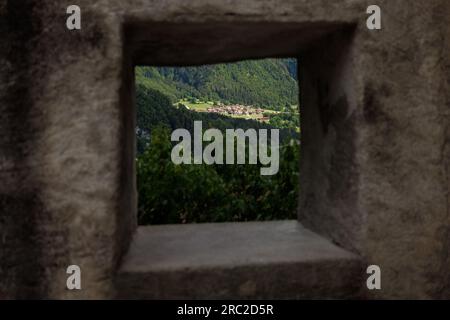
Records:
x=171, y=193
x=155, y=109
x=269, y=83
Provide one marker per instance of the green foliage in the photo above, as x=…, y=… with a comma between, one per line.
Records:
x=269, y=83
x=285, y=120
x=155, y=108
x=170, y=193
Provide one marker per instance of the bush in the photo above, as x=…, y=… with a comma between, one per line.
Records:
x=170, y=193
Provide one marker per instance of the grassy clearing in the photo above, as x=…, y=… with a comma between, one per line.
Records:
x=202, y=106
x=199, y=107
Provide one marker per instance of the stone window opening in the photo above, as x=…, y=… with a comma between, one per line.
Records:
x=229, y=260
x=218, y=145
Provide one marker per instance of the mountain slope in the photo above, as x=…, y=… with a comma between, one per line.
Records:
x=269, y=83
x=155, y=109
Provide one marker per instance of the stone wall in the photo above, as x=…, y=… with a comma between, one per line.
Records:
x=375, y=126
x=375, y=146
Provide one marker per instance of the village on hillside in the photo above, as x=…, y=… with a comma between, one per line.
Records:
x=232, y=110
x=235, y=109
x=239, y=110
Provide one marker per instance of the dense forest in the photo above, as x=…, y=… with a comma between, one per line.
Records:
x=155, y=109
x=270, y=83
x=170, y=193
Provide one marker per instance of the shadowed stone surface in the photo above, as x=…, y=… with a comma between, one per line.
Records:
x=279, y=259
x=375, y=109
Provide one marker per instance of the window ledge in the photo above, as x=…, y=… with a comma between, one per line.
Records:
x=276, y=259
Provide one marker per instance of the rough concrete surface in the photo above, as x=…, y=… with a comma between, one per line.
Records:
x=375, y=129
x=279, y=259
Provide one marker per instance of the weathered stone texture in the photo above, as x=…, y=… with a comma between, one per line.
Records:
x=375, y=117
x=250, y=260
x=375, y=174
x=61, y=146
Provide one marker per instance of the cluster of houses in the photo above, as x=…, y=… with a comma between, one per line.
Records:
x=235, y=109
